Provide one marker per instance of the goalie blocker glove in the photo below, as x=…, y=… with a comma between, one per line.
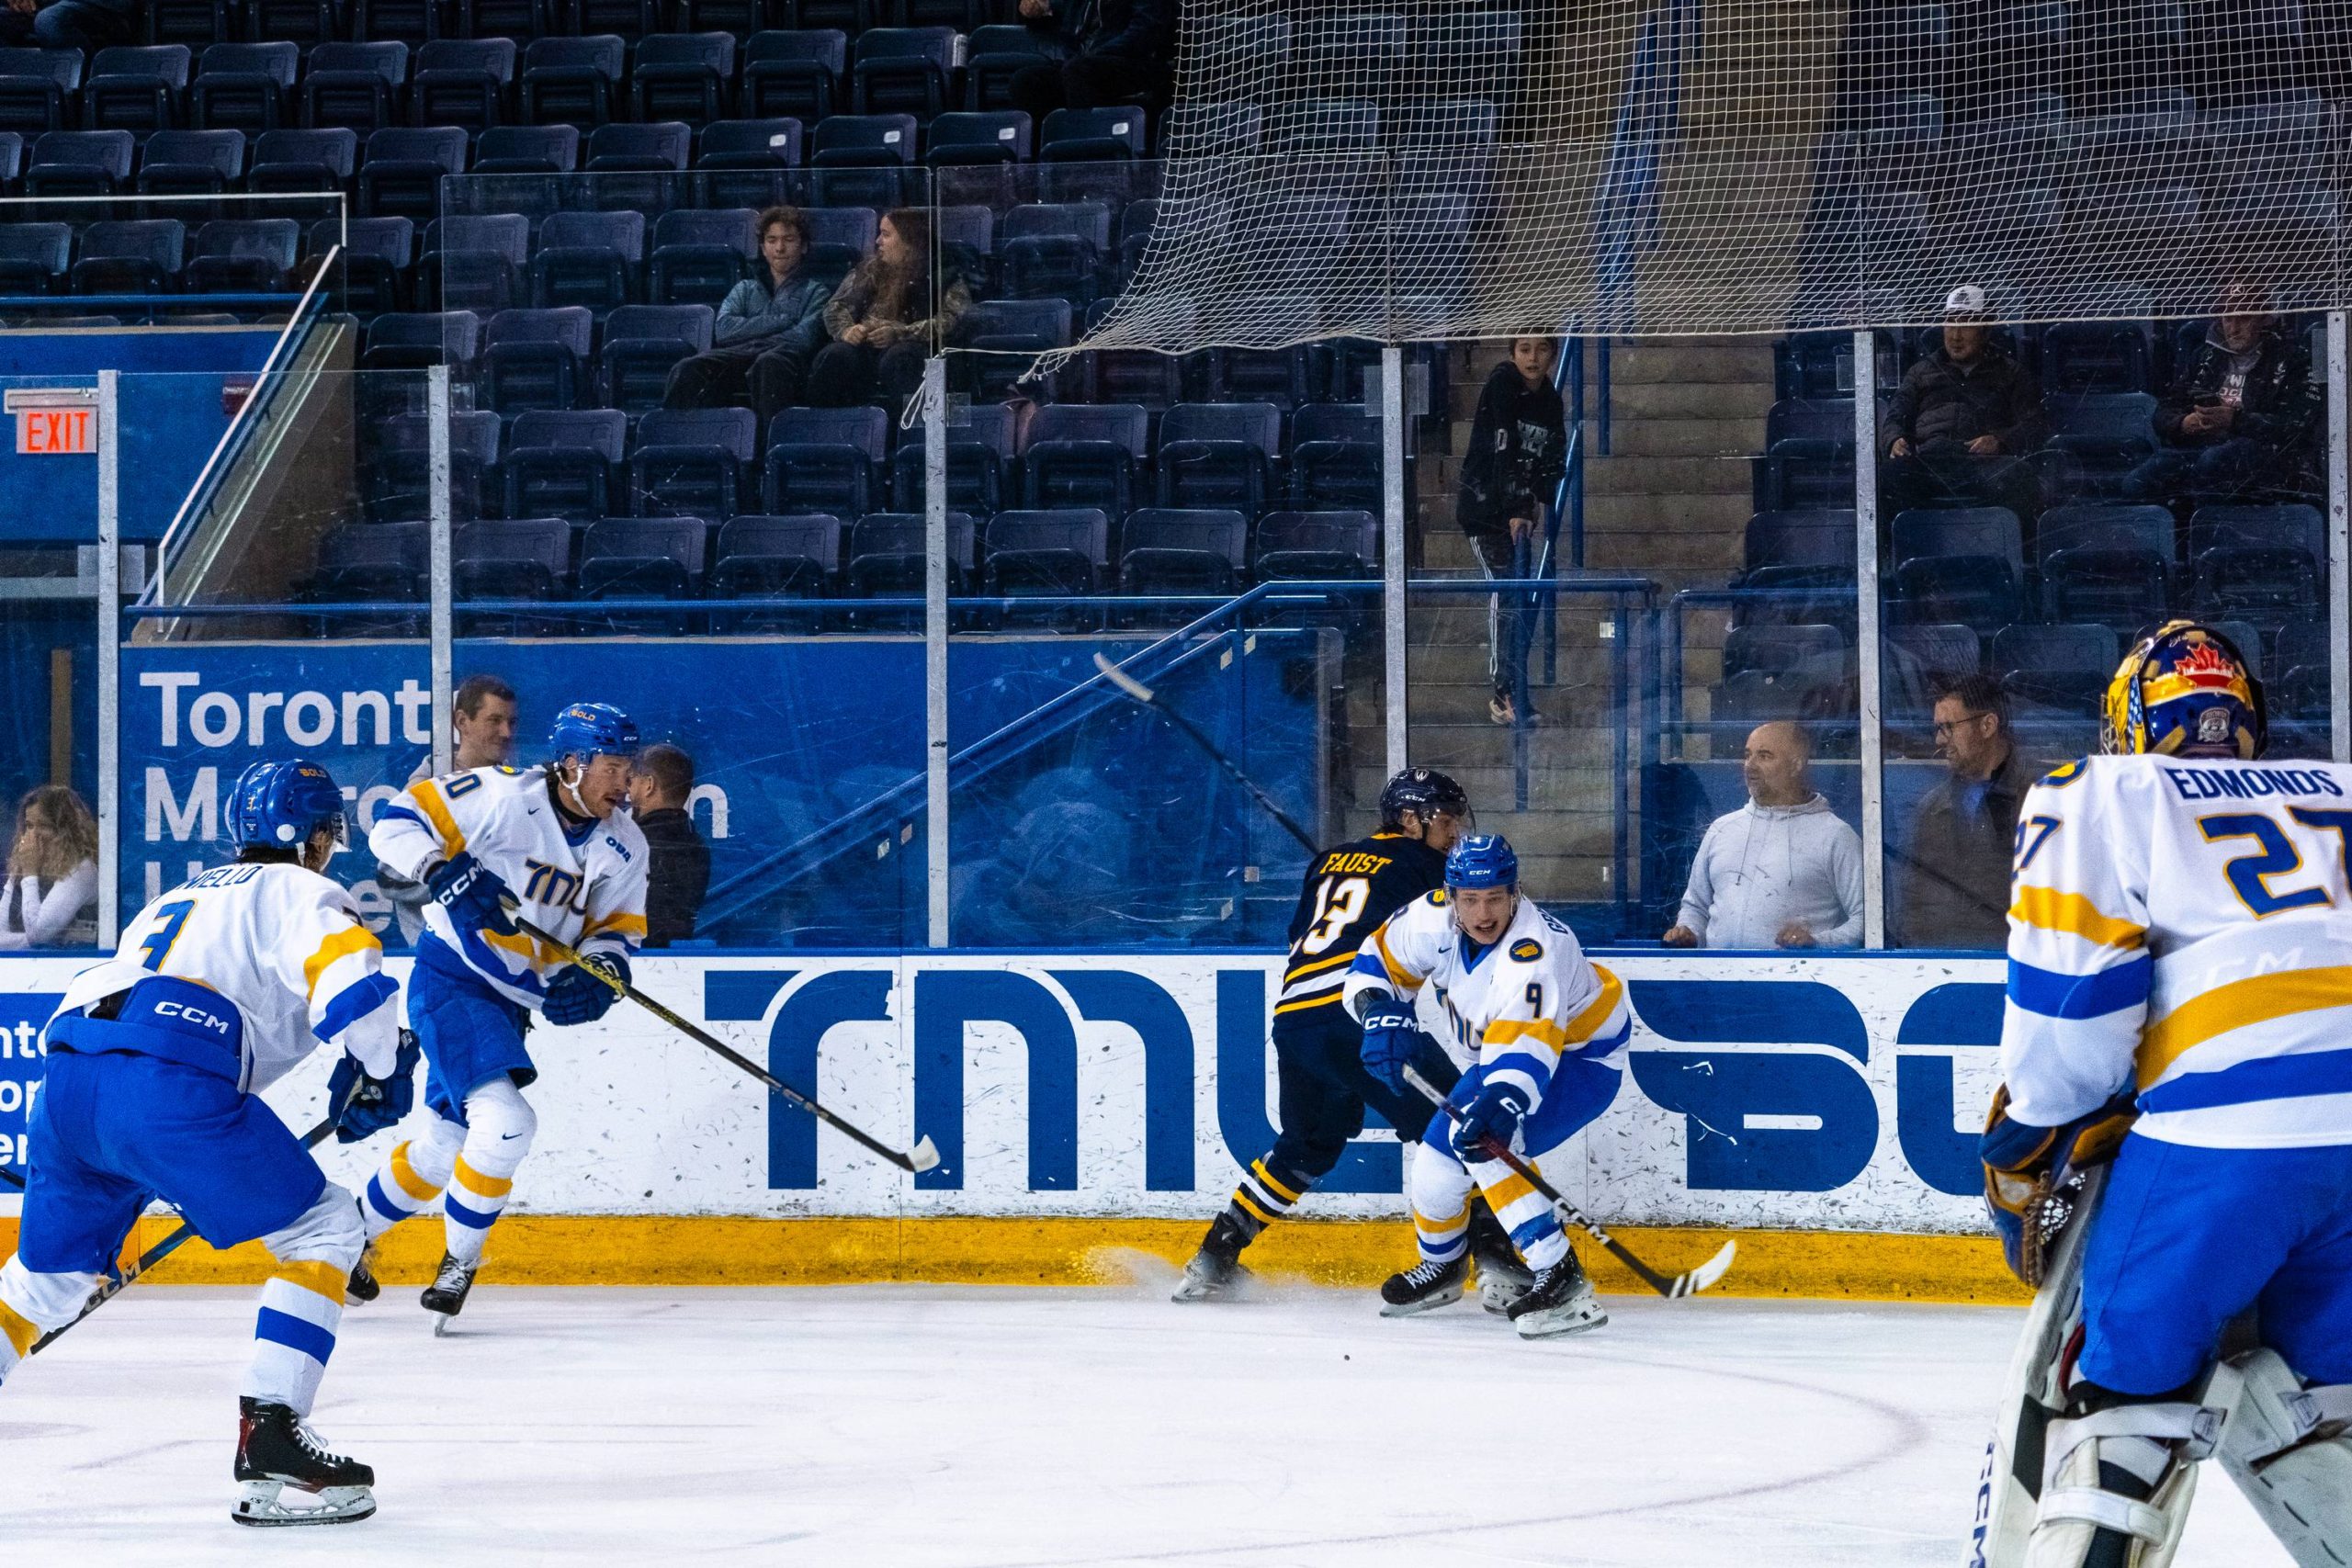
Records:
x=2028, y=1168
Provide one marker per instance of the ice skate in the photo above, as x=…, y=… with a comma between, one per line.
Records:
x=446, y=1297
x=1216, y=1273
x=1559, y=1301
x=362, y=1287
x=1425, y=1287
x=277, y=1449
x=1503, y=1280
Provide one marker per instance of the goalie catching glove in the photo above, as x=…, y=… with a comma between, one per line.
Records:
x=373, y=1105
x=2026, y=1167
x=587, y=990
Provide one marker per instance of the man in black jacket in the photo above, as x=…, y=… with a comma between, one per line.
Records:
x=1956, y=884
x=2240, y=413
x=1110, y=53
x=678, y=874
x=1964, y=422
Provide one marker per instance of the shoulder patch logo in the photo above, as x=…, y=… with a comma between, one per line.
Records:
x=510, y=771
x=1437, y=897
x=2059, y=778
x=1527, y=950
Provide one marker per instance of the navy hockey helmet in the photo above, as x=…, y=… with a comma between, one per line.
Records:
x=1482, y=859
x=588, y=731
x=1423, y=792
x=278, y=805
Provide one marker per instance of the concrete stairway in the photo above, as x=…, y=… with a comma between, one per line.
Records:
x=1668, y=503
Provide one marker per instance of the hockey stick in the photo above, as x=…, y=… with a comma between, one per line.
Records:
x=1151, y=699
x=922, y=1157
x=170, y=1242
x=1671, y=1287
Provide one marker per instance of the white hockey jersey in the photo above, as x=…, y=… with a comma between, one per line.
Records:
x=585, y=887
x=282, y=943
x=2183, y=927
x=1517, y=1006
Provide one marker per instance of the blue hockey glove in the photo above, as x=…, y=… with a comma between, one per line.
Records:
x=2025, y=1166
x=1391, y=1039
x=374, y=1105
x=578, y=996
x=1495, y=1114
x=473, y=894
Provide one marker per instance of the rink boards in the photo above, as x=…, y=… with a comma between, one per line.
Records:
x=1826, y=1105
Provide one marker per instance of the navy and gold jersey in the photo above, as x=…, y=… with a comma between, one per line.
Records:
x=1349, y=890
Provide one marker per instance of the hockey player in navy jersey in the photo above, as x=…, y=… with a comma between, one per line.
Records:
x=156, y=1059
x=2180, y=998
x=551, y=844
x=1323, y=1086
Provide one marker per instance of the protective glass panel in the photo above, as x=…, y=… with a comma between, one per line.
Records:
x=2082, y=483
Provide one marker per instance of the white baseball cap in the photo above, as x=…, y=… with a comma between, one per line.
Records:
x=1968, y=299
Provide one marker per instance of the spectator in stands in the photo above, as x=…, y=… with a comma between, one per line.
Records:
x=68, y=24
x=770, y=326
x=678, y=868
x=1107, y=53
x=1956, y=882
x=1964, y=420
x=481, y=729
x=2241, y=412
x=51, y=899
x=1782, y=871
x=1518, y=453
x=883, y=320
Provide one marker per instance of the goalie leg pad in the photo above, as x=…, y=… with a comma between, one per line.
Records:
x=2290, y=1450
x=2126, y=1471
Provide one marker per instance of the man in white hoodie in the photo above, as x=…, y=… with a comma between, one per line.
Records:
x=1781, y=870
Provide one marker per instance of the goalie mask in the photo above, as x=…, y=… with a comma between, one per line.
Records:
x=2184, y=691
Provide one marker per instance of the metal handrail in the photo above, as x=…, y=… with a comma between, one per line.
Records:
x=232, y=440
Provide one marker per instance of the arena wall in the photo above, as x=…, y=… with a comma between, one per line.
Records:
x=1821, y=1109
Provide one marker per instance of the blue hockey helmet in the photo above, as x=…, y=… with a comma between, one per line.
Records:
x=278, y=805
x=2185, y=690
x=588, y=731
x=1482, y=859
x=1423, y=792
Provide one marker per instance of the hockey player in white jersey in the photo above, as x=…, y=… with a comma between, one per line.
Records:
x=1544, y=1031
x=156, y=1059
x=2180, y=951
x=552, y=842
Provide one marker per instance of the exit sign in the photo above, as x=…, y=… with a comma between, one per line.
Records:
x=57, y=432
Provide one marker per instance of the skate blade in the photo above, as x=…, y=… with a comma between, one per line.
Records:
x=1426, y=1303
x=1559, y=1326
x=261, y=1505
x=1497, y=1296
x=441, y=1321
x=1239, y=1288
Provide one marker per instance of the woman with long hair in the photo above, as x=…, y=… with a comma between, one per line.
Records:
x=51, y=896
x=883, y=320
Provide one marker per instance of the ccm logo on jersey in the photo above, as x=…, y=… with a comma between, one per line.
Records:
x=1527, y=950
x=197, y=1016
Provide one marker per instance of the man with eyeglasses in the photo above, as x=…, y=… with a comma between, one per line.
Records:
x=1955, y=874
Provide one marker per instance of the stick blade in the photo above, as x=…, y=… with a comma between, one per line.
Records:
x=1707, y=1273
x=1121, y=679
x=923, y=1157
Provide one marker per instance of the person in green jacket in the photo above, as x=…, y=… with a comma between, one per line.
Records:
x=770, y=325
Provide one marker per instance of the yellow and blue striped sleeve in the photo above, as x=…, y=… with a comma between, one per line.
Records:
x=2079, y=969
x=338, y=966
x=414, y=829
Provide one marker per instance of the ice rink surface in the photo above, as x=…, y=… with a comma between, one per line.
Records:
x=994, y=1428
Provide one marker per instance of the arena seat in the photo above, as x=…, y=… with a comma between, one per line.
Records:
x=1086, y=456
x=795, y=73
x=644, y=557
x=34, y=257
x=536, y=360
x=463, y=82
x=519, y=20
x=1077, y=135
x=136, y=88
x=37, y=89
x=683, y=76
x=397, y=477
x=1335, y=459
x=1175, y=550
x=360, y=88
x=560, y=462
x=519, y=558
x=588, y=258
x=244, y=256
x=367, y=562
x=1007, y=330
x=1041, y=552
x=303, y=160
x=192, y=163
x=79, y=163
x=642, y=345
x=902, y=71
x=299, y=21
x=1054, y=250
x=994, y=54
x=966, y=138
x=886, y=559
x=1308, y=545
x=1219, y=455
x=691, y=463
x=401, y=174
x=980, y=452
x=571, y=81
x=825, y=460
x=767, y=556
x=414, y=340
x=377, y=255
x=411, y=22
x=244, y=86
x=476, y=263
x=134, y=256
x=527, y=150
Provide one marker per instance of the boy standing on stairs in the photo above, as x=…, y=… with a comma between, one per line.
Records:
x=1516, y=457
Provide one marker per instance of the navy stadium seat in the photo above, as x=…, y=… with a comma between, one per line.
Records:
x=1164, y=550
x=2108, y=564
x=1335, y=462
x=979, y=451
x=699, y=255
x=504, y=18
x=1219, y=455
x=252, y=255
x=748, y=162
x=136, y=88
x=885, y=558
x=588, y=258
x=520, y=557
x=994, y=54
x=536, y=360
x=644, y=557
x=571, y=81
x=1054, y=250
x=463, y=82
x=2064, y=668
x=191, y=162
x=770, y=557
x=825, y=460
x=795, y=73
x=358, y=86
x=1054, y=551
x=1000, y=136
x=902, y=71
x=839, y=238
x=404, y=167
x=642, y=345
x=1307, y=544
x=303, y=160
x=683, y=76
x=244, y=86
x=38, y=88
x=637, y=166
x=1080, y=455
x=2263, y=564
x=367, y=562
x=527, y=150
x=1004, y=333
x=34, y=257
x=398, y=473
x=299, y=21
x=414, y=340
x=691, y=463
x=79, y=163
x=475, y=263
x=139, y=256
x=862, y=160
x=378, y=254
x=560, y=462
x=411, y=22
